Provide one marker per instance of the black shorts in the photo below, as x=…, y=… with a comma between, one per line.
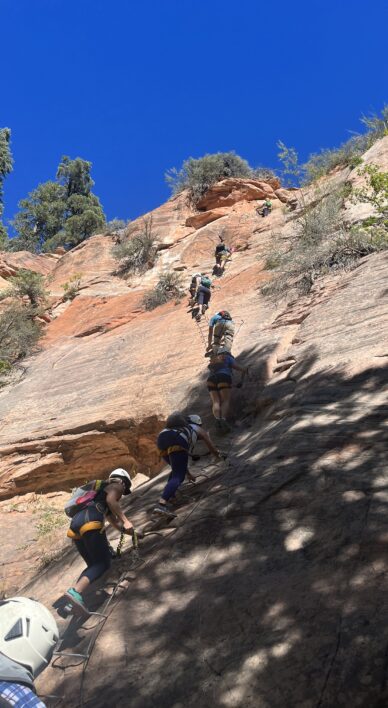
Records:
x=217, y=382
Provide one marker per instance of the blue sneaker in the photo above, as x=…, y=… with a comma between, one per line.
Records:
x=76, y=597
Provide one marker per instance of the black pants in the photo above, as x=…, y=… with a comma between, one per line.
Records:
x=93, y=545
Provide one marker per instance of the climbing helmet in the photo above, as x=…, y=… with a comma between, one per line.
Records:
x=122, y=475
x=28, y=633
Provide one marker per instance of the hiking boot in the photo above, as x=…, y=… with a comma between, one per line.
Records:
x=162, y=510
x=75, y=597
x=198, y=317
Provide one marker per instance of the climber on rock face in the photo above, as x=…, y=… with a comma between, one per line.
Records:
x=202, y=296
x=175, y=442
x=265, y=209
x=222, y=254
x=87, y=529
x=219, y=384
x=28, y=636
x=221, y=333
x=195, y=282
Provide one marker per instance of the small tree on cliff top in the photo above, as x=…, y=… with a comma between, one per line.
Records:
x=197, y=175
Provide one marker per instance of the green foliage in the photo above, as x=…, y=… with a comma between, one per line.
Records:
x=49, y=518
x=375, y=192
x=27, y=283
x=349, y=153
x=136, y=254
x=197, y=175
x=169, y=287
x=41, y=217
x=111, y=227
x=19, y=333
x=60, y=213
x=263, y=173
x=273, y=260
x=288, y=156
x=72, y=287
x=6, y=166
x=322, y=243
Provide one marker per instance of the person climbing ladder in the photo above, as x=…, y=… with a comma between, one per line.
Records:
x=89, y=512
x=175, y=442
x=222, y=255
x=202, y=297
x=221, y=332
x=219, y=385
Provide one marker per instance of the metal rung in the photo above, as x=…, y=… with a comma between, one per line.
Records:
x=72, y=654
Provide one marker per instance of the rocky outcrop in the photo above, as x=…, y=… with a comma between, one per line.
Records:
x=104, y=360
x=233, y=190
x=204, y=218
x=10, y=263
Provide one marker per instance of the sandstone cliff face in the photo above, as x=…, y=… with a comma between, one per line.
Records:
x=108, y=372
x=271, y=589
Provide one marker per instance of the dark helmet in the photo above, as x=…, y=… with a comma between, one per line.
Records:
x=225, y=314
x=176, y=420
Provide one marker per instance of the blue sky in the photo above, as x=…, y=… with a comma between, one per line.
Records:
x=136, y=87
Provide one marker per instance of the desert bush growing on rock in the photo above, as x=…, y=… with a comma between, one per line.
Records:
x=197, y=175
x=169, y=287
x=19, y=334
x=27, y=283
x=349, y=153
x=72, y=287
x=323, y=243
x=135, y=254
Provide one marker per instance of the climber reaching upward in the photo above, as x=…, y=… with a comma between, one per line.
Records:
x=175, y=442
x=221, y=332
x=219, y=384
x=88, y=514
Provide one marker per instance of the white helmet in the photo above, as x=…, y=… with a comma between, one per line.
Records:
x=119, y=473
x=28, y=633
x=195, y=419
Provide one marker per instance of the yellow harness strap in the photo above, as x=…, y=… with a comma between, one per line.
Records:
x=173, y=448
x=89, y=526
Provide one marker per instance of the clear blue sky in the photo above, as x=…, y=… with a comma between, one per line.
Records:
x=136, y=87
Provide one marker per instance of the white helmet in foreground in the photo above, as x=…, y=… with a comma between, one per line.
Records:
x=119, y=473
x=195, y=419
x=28, y=633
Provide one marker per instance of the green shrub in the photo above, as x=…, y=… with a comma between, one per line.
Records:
x=264, y=174
x=19, y=334
x=169, y=287
x=322, y=243
x=72, y=287
x=27, y=283
x=197, y=175
x=349, y=153
x=136, y=254
x=273, y=261
x=111, y=227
